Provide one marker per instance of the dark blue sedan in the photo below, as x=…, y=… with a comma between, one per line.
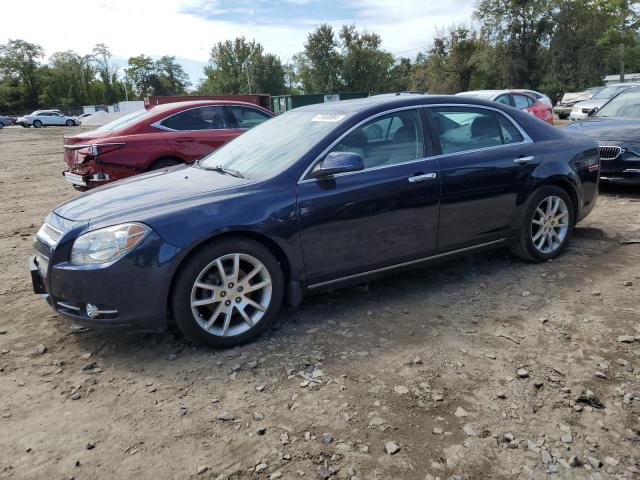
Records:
x=319, y=196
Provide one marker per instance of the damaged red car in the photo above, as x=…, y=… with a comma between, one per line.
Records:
x=163, y=136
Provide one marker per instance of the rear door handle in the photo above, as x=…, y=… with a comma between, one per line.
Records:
x=523, y=160
x=185, y=139
x=422, y=178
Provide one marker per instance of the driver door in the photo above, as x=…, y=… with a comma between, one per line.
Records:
x=381, y=216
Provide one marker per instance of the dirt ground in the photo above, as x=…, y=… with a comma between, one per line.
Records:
x=486, y=367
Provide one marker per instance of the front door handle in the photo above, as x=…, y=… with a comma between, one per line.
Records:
x=185, y=139
x=523, y=160
x=422, y=178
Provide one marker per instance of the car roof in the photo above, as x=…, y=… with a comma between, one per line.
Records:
x=623, y=84
x=390, y=102
x=176, y=106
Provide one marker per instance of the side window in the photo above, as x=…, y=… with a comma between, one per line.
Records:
x=510, y=133
x=503, y=99
x=387, y=140
x=462, y=128
x=247, y=117
x=522, y=101
x=202, y=118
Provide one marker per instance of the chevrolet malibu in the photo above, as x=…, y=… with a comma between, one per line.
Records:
x=320, y=196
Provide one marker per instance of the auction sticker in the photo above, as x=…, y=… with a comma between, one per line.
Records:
x=327, y=117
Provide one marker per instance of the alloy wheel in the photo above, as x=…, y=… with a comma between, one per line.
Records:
x=550, y=224
x=231, y=295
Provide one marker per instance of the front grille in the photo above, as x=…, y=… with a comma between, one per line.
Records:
x=610, y=152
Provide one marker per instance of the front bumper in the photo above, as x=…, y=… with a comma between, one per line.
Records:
x=559, y=110
x=131, y=292
x=623, y=169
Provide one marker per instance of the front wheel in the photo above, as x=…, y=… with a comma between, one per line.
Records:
x=546, y=225
x=228, y=292
x=70, y=123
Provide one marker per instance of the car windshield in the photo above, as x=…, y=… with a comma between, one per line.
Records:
x=274, y=145
x=125, y=121
x=625, y=105
x=608, y=92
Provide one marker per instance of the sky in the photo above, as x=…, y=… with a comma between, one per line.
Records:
x=187, y=29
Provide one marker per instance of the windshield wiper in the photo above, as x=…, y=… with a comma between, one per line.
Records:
x=221, y=169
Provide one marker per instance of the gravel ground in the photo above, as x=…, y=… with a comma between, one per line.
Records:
x=486, y=367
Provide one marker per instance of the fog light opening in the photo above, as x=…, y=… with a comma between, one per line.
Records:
x=93, y=311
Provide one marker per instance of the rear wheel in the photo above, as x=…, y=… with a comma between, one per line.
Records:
x=546, y=225
x=37, y=123
x=164, y=163
x=227, y=293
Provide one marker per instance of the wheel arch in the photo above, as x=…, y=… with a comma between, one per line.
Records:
x=260, y=238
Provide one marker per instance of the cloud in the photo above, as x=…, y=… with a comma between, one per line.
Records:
x=189, y=28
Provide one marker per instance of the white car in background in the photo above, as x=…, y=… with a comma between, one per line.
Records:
x=45, y=118
x=581, y=110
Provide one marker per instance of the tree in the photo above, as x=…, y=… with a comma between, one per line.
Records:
x=140, y=73
x=240, y=66
x=106, y=72
x=451, y=62
x=523, y=28
x=171, y=77
x=20, y=68
x=364, y=66
x=319, y=64
x=68, y=80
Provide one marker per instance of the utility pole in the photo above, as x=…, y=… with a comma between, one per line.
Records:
x=623, y=14
x=246, y=69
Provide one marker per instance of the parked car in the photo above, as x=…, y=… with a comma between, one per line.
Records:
x=565, y=105
x=516, y=99
x=541, y=97
x=616, y=128
x=319, y=196
x=163, y=136
x=5, y=121
x=45, y=118
x=581, y=110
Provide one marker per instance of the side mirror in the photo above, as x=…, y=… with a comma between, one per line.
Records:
x=338, y=162
x=592, y=112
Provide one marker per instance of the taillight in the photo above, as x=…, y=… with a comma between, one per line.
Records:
x=97, y=149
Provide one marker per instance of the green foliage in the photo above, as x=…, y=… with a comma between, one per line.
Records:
x=554, y=46
x=242, y=67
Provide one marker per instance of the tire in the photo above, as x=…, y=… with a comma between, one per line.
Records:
x=164, y=163
x=531, y=242
x=563, y=116
x=37, y=123
x=201, y=268
x=71, y=123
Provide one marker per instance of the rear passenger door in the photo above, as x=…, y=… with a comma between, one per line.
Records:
x=485, y=163
x=199, y=131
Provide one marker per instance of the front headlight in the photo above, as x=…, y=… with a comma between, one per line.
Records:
x=107, y=244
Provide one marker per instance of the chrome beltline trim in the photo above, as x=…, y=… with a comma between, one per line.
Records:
x=404, y=264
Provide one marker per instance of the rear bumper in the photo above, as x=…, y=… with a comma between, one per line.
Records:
x=86, y=180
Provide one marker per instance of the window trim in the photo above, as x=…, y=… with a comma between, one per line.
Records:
x=303, y=178
x=526, y=138
x=157, y=123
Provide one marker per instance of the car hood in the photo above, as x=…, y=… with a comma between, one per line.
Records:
x=609, y=129
x=592, y=103
x=134, y=198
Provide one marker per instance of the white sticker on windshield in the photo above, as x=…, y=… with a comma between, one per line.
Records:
x=327, y=117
